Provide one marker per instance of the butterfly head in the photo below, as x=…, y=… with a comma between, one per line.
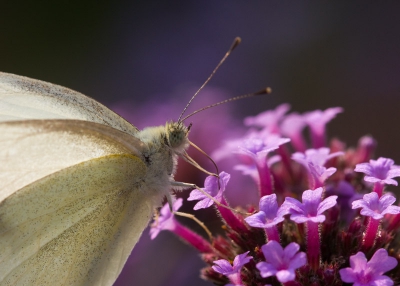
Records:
x=177, y=136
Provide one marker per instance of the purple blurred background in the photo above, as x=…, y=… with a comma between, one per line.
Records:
x=314, y=55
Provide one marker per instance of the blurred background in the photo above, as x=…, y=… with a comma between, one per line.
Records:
x=144, y=59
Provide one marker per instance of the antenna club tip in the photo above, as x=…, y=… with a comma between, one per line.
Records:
x=266, y=90
x=235, y=43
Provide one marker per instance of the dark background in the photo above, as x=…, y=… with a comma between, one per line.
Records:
x=314, y=55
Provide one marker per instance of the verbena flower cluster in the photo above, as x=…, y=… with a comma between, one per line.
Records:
x=323, y=217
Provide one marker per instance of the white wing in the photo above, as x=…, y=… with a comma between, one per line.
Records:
x=26, y=98
x=74, y=227
x=71, y=207
x=32, y=149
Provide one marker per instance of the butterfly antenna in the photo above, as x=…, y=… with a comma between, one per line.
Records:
x=267, y=90
x=235, y=43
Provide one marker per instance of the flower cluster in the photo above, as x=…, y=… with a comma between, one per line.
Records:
x=323, y=216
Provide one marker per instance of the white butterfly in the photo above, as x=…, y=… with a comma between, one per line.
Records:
x=78, y=184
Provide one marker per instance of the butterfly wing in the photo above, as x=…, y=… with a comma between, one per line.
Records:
x=71, y=203
x=26, y=98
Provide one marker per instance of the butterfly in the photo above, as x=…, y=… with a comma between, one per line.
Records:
x=78, y=184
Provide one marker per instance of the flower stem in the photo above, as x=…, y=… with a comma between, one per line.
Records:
x=378, y=188
x=298, y=143
x=235, y=278
x=370, y=234
x=311, y=181
x=192, y=238
x=318, y=138
x=265, y=187
x=313, y=245
x=291, y=283
x=230, y=218
x=272, y=233
x=285, y=158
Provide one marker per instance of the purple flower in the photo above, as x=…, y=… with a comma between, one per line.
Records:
x=260, y=144
x=315, y=156
x=310, y=212
x=280, y=262
x=314, y=160
x=256, y=144
x=166, y=220
x=256, y=147
x=292, y=124
x=251, y=169
x=226, y=150
x=268, y=119
x=319, y=174
x=224, y=267
x=292, y=127
x=211, y=187
x=311, y=209
x=376, y=207
x=381, y=170
x=269, y=214
x=317, y=121
x=232, y=271
x=365, y=149
x=363, y=273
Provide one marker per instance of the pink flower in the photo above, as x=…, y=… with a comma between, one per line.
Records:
x=362, y=272
x=317, y=121
x=280, y=262
x=381, y=170
x=311, y=209
x=314, y=160
x=232, y=271
x=166, y=220
x=269, y=119
x=268, y=215
x=376, y=207
x=292, y=126
x=211, y=187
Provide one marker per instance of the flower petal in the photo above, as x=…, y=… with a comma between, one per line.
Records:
x=347, y=275
x=290, y=250
x=266, y=269
x=273, y=253
x=241, y=260
x=299, y=260
x=257, y=220
x=386, y=200
x=327, y=203
x=269, y=205
x=381, y=262
x=285, y=275
x=222, y=266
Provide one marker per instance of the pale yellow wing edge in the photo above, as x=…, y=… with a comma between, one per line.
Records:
x=32, y=149
x=27, y=98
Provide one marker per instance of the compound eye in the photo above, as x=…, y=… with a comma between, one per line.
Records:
x=176, y=139
x=177, y=134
